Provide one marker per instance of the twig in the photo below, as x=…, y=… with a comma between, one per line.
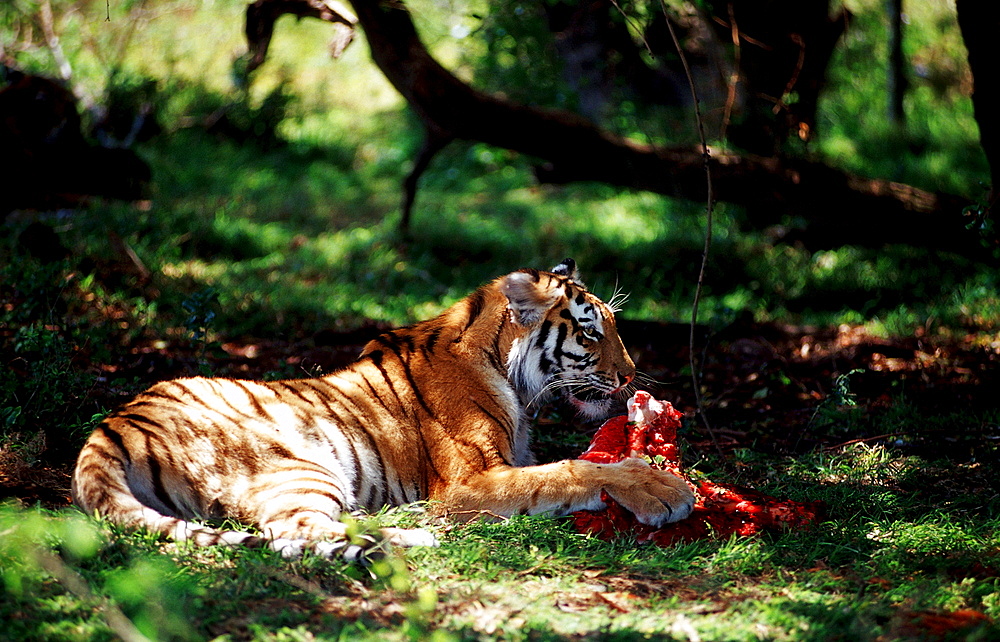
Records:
x=794, y=79
x=864, y=440
x=469, y=515
x=307, y=585
x=734, y=79
x=708, y=226
x=634, y=23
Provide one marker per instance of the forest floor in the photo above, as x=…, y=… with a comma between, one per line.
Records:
x=768, y=388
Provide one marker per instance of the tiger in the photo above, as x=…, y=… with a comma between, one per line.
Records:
x=434, y=412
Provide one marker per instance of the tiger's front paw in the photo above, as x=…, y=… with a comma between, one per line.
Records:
x=655, y=497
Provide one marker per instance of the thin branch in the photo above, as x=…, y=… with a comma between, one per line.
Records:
x=52, y=40
x=734, y=78
x=864, y=440
x=635, y=25
x=780, y=103
x=706, y=157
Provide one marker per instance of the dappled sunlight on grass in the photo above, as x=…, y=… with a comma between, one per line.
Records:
x=882, y=564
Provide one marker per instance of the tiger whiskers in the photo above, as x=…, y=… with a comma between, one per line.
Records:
x=645, y=380
x=626, y=391
x=573, y=384
x=618, y=300
x=552, y=385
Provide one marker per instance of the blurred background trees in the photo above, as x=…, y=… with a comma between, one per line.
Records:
x=509, y=114
x=591, y=91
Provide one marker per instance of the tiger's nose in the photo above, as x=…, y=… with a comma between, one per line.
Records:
x=622, y=380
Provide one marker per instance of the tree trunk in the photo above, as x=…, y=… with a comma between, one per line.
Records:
x=980, y=23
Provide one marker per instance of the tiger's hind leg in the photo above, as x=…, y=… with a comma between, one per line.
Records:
x=303, y=513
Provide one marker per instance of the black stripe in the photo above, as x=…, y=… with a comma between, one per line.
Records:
x=135, y=421
x=238, y=411
x=373, y=391
x=405, y=366
x=321, y=394
x=361, y=428
x=566, y=314
x=426, y=461
x=292, y=389
x=347, y=405
x=275, y=448
x=369, y=499
x=155, y=394
x=560, y=340
x=543, y=334
x=432, y=339
x=393, y=340
x=156, y=477
x=388, y=381
x=505, y=426
x=254, y=403
x=115, y=437
x=413, y=384
x=482, y=453
x=476, y=303
x=291, y=511
x=401, y=496
x=359, y=473
x=544, y=364
x=187, y=392
x=494, y=354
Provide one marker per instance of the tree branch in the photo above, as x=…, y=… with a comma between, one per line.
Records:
x=839, y=207
x=262, y=14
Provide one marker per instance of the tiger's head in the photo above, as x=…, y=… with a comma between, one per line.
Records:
x=569, y=344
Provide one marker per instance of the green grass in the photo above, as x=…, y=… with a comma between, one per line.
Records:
x=905, y=538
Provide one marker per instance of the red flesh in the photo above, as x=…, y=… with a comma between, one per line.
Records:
x=720, y=509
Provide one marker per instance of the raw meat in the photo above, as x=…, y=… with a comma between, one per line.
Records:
x=721, y=510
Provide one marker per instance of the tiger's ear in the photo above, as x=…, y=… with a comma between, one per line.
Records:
x=527, y=298
x=567, y=268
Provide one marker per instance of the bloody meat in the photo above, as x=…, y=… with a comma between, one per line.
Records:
x=721, y=510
